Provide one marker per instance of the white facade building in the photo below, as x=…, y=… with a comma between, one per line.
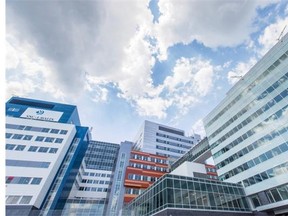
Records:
x=34, y=153
x=248, y=132
x=163, y=140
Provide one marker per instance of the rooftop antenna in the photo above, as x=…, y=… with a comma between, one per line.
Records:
x=280, y=36
x=237, y=76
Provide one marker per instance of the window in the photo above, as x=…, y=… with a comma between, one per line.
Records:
x=10, y=146
x=9, y=179
x=276, y=195
x=24, y=180
x=45, y=130
x=93, y=189
x=33, y=148
x=8, y=135
x=55, y=131
x=20, y=148
x=256, y=201
x=49, y=139
x=17, y=136
x=25, y=200
x=63, y=132
x=39, y=138
x=12, y=199
x=283, y=190
x=28, y=128
x=23, y=163
x=53, y=150
x=13, y=109
x=27, y=137
x=36, y=181
x=58, y=140
x=43, y=149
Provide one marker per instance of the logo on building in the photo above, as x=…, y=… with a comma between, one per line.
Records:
x=40, y=112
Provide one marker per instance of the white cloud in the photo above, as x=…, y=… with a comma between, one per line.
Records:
x=240, y=70
x=12, y=59
x=191, y=79
x=153, y=107
x=27, y=72
x=101, y=43
x=198, y=128
x=213, y=23
x=271, y=34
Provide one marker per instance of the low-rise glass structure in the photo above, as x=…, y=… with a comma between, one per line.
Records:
x=179, y=192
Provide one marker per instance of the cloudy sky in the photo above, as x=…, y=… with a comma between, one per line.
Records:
x=122, y=62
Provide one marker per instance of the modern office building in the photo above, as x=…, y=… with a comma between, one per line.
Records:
x=43, y=143
x=248, y=132
x=116, y=198
x=182, y=195
x=91, y=188
x=199, y=153
x=162, y=140
x=142, y=171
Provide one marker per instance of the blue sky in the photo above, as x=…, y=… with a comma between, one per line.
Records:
x=122, y=62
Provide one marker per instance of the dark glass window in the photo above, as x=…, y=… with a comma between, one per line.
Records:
x=10, y=146
x=20, y=148
x=58, y=140
x=49, y=139
x=8, y=135
x=171, y=130
x=45, y=130
x=53, y=150
x=22, y=163
x=283, y=147
x=17, y=136
x=36, y=181
x=33, y=148
x=63, y=132
x=27, y=137
x=43, y=149
x=39, y=138
x=31, y=103
x=28, y=128
x=256, y=201
x=276, y=195
x=24, y=180
x=55, y=131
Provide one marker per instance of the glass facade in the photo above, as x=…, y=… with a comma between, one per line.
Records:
x=193, y=153
x=91, y=188
x=273, y=195
x=101, y=155
x=172, y=191
x=248, y=130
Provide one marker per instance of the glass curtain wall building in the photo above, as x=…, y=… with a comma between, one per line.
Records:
x=248, y=132
x=91, y=189
x=180, y=195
